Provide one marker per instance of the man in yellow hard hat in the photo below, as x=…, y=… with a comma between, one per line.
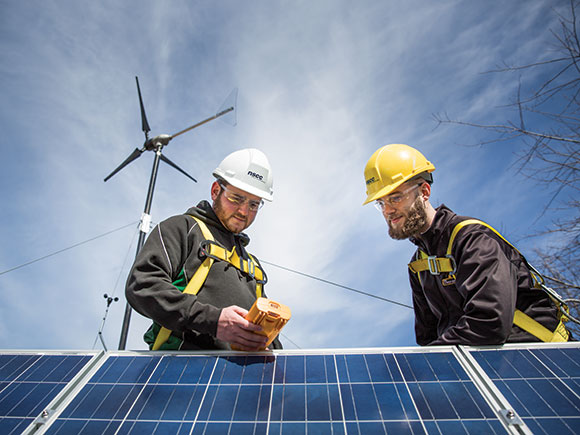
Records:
x=470, y=286
x=193, y=277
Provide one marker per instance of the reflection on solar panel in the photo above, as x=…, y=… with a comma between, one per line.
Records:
x=412, y=390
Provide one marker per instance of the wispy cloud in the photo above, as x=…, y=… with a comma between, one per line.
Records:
x=322, y=85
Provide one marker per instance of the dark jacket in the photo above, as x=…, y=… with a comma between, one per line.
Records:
x=491, y=282
x=166, y=263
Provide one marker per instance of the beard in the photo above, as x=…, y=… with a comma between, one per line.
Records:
x=232, y=221
x=415, y=220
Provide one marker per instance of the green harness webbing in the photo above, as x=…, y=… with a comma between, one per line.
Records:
x=214, y=251
x=437, y=265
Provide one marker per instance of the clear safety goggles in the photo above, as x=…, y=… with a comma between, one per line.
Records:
x=240, y=200
x=395, y=199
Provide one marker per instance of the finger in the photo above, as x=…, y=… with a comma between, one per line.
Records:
x=248, y=348
x=249, y=326
x=242, y=312
x=251, y=340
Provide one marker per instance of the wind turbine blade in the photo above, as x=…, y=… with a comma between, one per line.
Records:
x=211, y=118
x=134, y=155
x=230, y=106
x=144, y=123
x=170, y=163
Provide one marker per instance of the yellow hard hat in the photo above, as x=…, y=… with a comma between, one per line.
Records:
x=392, y=165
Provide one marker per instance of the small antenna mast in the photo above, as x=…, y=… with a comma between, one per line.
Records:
x=155, y=144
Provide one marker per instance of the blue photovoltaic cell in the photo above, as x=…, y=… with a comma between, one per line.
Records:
x=28, y=383
x=275, y=394
x=542, y=385
x=400, y=392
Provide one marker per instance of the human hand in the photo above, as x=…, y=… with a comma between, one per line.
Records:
x=239, y=332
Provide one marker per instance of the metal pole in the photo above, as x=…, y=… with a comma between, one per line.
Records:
x=143, y=230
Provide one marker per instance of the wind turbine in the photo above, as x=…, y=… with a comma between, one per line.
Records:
x=155, y=144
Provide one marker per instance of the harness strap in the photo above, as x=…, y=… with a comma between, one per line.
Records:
x=447, y=263
x=436, y=265
x=261, y=282
x=193, y=286
x=538, y=330
x=214, y=251
x=466, y=222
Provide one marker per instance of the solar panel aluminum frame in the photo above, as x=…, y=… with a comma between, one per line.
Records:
x=502, y=408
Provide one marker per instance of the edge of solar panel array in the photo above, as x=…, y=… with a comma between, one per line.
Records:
x=505, y=413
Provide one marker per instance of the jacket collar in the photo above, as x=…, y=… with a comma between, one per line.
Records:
x=431, y=238
x=205, y=212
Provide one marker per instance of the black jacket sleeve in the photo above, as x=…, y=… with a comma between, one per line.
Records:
x=150, y=289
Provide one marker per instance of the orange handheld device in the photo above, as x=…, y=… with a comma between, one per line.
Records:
x=270, y=315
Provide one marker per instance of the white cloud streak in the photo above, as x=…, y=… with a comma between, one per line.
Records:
x=322, y=85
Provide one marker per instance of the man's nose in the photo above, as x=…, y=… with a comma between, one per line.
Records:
x=388, y=209
x=244, y=208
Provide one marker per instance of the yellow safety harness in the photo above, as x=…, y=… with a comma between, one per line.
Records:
x=437, y=265
x=212, y=251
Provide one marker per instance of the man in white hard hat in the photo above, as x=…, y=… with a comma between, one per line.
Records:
x=194, y=278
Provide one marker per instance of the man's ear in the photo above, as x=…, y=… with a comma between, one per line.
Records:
x=215, y=190
x=425, y=190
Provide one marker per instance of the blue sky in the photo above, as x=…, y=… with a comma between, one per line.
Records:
x=321, y=84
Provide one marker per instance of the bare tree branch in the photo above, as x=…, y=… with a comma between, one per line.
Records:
x=548, y=152
x=502, y=128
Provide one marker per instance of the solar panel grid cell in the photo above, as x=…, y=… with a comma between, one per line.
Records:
x=12, y=366
x=358, y=392
x=541, y=385
x=306, y=391
x=29, y=382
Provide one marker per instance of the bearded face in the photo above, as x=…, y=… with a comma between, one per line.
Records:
x=408, y=222
x=232, y=207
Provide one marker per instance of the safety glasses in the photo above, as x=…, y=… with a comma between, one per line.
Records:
x=240, y=200
x=394, y=199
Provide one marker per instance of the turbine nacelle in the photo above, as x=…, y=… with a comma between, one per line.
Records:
x=157, y=141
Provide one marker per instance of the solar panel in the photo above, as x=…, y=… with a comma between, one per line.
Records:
x=542, y=385
x=285, y=393
x=29, y=382
x=401, y=390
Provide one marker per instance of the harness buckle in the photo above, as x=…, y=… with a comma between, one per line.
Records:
x=453, y=264
x=251, y=268
x=264, y=279
x=432, y=263
x=205, y=249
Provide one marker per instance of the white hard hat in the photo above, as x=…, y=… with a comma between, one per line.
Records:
x=249, y=170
